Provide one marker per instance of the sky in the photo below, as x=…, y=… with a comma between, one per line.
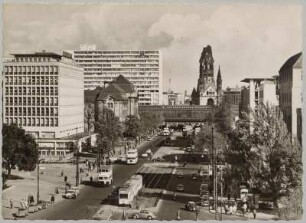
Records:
x=248, y=40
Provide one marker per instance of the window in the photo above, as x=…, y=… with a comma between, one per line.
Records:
x=19, y=101
x=42, y=111
x=29, y=121
x=47, y=122
x=51, y=122
x=33, y=112
x=42, y=122
x=6, y=111
x=6, y=90
x=38, y=101
x=51, y=91
x=51, y=101
x=20, y=90
x=55, y=101
x=37, y=122
x=51, y=111
x=55, y=111
x=55, y=122
x=33, y=122
x=47, y=112
x=110, y=105
x=33, y=100
x=24, y=90
x=24, y=121
x=24, y=112
x=46, y=101
x=38, y=111
x=24, y=101
x=29, y=111
x=15, y=111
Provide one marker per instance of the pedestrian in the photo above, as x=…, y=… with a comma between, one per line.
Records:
x=178, y=217
x=11, y=203
x=52, y=199
x=228, y=196
x=234, y=208
x=244, y=208
x=31, y=199
x=62, y=173
x=254, y=213
x=65, y=178
x=56, y=190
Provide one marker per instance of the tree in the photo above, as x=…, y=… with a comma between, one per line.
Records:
x=132, y=127
x=265, y=156
x=109, y=131
x=149, y=122
x=89, y=112
x=19, y=149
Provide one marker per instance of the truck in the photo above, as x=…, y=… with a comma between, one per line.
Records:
x=129, y=190
x=132, y=156
x=102, y=177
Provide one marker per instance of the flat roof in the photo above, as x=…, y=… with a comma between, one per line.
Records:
x=247, y=80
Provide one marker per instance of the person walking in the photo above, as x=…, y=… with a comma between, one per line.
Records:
x=254, y=213
x=178, y=215
x=244, y=208
x=52, y=199
x=11, y=203
x=65, y=178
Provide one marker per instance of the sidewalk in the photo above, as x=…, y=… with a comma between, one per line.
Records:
x=50, y=178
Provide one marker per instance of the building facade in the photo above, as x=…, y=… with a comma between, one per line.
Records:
x=290, y=94
x=43, y=93
x=231, y=98
x=207, y=92
x=142, y=67
x=120, y=96
x=259, y=91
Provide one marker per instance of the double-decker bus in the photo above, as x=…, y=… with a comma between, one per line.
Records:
x=132, y=156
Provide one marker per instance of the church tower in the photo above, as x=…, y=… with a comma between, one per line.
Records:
x=207, y=90
x=219, y=86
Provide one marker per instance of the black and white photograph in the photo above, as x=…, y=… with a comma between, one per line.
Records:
x=135, y=110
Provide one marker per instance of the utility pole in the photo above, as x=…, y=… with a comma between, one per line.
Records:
x=214, y=171
x=77, y=177
x=221, y=192
x=37, y=181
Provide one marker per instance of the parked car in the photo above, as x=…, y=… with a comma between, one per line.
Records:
x=180, y=175
x=144, y=214
x=191, y=206
x=144, y=155
x=180, y=187
x=76, y=190
x=70, y=194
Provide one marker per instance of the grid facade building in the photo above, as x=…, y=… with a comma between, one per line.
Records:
x=44, y=94
x=142, y=68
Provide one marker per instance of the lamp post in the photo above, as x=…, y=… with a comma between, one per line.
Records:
x=77, y=177
x=37, y=199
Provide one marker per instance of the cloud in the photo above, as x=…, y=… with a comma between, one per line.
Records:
x=247, y=39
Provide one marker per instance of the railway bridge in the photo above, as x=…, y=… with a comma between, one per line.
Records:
x=180, y=113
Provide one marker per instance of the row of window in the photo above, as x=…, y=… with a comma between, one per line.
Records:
x=115, y=52
x=33, y=121
x=31, y=69
x=31, y=111
x=121, y=69
x=31, y=91
x=36, y=101
x=33, y=59
x=30, y=80
x=116, y=56
x=87, y=60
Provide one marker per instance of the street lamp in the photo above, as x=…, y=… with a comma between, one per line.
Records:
x=38, y=162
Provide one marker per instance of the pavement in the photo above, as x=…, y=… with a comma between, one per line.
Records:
x=25, y=183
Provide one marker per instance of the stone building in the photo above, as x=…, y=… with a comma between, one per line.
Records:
x=120, y=96
x=208, y=92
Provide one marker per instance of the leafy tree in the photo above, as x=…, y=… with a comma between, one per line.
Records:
x=89, y=112
x=265, y=157
x=224, y=118
x=132, y=127
x=19, y=149
x=109, y=131
x=149, y=122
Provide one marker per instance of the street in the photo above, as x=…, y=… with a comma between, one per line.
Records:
x=90, y=197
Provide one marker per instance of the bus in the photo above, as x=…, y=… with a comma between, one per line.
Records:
x=102, y=177
x=166, y=131
x=129, y=190
x=132, y=156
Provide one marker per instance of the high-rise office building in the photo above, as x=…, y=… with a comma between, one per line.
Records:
x=44, y=94
x=143, y=68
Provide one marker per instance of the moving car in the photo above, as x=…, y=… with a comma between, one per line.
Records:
x=194, y=177
x=180, y=175
x=191, y=206
x=70, y=194
x=144, y=214
x=180, y=187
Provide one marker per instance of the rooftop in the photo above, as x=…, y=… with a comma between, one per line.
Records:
x=290, y=62
x=257, y=79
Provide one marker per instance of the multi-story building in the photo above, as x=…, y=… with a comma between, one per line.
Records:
x=44, y=94
x=290, y=94
x=231, y=98
x=142, y=67
x=260, y=90
x=172, y=98
x=120, y=96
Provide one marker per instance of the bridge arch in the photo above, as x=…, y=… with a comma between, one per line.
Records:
x=210, y=101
